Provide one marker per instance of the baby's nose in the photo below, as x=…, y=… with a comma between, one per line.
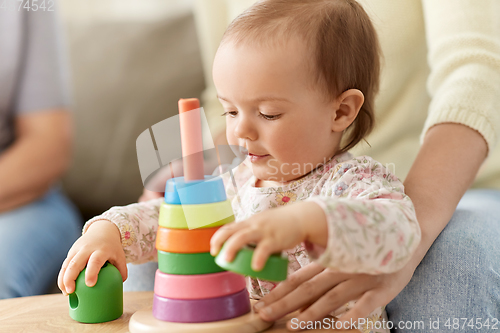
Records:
x=245, y=130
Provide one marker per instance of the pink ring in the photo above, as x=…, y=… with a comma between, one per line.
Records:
x=198, y=286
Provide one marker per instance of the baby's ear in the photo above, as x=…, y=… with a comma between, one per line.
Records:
x=347, y=107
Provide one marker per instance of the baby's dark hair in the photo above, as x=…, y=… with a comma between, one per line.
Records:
x=342, y=40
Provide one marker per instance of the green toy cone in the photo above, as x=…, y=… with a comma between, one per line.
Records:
x=100, y=303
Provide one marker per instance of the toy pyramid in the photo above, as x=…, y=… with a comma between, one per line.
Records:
x=191, y=292
x=189, y=286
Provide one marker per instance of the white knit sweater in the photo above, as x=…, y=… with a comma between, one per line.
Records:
x=441, y=64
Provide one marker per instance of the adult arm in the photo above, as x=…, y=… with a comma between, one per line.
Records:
x=463, y=123
x=37, y=158
x=436, y=190
x=40, y=151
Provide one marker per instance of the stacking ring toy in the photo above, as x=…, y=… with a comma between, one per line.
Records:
x=198, y=286
x=184, y=240
x=195, y=216
x=178, y=191
x=201, y=310
x=276, y=267
x=187, y=263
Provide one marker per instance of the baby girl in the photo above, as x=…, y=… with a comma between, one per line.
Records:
x=297, y=80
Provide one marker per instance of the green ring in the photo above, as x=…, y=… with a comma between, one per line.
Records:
x=187, y=263
x=276, y=267
x=173, y=216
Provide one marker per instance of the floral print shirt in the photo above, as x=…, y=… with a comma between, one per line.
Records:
x=372, y=226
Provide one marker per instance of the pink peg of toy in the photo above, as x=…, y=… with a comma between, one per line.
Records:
x=191, y=139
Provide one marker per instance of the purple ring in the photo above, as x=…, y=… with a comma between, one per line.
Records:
x=201, y=310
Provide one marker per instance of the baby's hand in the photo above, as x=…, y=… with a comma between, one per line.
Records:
x=101, y=243
x=273, y=230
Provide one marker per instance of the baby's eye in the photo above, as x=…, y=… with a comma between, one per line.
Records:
x=230, y=113
x=233, y=114
x=268, y=116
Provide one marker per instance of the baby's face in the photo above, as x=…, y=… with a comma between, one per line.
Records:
x=274, y=110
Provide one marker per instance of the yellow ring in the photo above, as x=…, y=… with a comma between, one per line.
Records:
x=199, y=215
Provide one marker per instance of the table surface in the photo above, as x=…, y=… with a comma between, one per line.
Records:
x=49, y=313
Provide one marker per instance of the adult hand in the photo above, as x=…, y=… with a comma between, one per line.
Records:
x=150, y=195
x=317, y=291
x=156, y=185
x=43, y=139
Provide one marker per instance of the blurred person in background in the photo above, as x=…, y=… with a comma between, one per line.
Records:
x=38, y=223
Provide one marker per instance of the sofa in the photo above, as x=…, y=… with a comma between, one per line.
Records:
x=130, y=62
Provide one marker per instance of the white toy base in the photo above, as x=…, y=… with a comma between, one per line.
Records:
x=144, y=322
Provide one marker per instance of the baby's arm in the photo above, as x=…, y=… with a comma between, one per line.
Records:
x=120, y=235
x=372, y=226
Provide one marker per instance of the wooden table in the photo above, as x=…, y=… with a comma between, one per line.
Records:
x=49, y=313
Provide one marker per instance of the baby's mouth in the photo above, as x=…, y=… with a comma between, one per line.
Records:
x=250, y=154
x=254, y=158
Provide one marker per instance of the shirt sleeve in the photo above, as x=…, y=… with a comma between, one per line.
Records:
x=372, y=226
x=138, y=224
x=463, y=39
x=43, y=80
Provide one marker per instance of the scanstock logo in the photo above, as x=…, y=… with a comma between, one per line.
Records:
x=159, y=153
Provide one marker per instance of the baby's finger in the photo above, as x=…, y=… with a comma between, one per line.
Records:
x=238, y=240
x=94, y=265
x=60, y=282
x=75, y=266
x=222, y=234
x=121, y=265
x=263, y=250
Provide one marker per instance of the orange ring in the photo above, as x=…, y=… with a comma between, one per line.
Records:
x=184, y=240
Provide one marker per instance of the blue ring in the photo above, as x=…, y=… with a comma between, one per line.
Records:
x=178, y=191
